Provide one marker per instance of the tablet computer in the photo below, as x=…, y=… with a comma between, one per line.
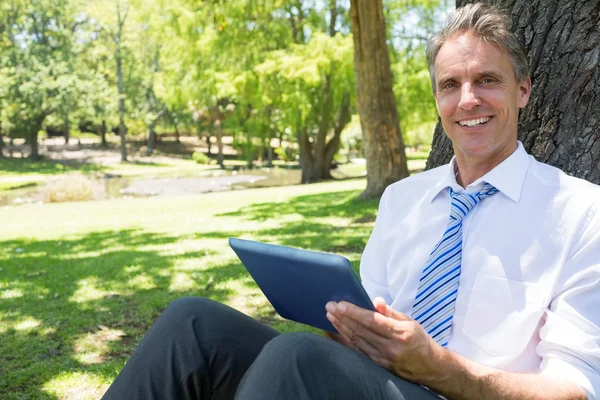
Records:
x=299, y=283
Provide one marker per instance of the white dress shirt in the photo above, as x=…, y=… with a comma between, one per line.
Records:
x=529, y=293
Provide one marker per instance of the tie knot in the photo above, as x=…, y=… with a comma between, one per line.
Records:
x=463, y=202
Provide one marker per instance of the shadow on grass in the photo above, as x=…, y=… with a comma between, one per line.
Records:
x=81, y=305
x=60, y=292
x=333, y=204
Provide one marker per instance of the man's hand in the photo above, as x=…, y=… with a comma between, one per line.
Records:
x=389, y=338
x=399, y=344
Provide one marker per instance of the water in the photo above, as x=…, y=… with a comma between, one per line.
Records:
x=103, y=187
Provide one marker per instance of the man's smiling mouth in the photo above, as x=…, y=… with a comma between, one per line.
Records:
x=474, y=122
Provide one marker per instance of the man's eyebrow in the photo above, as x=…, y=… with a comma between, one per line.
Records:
x=491, y=73
x=449, y=78
x=445, y=79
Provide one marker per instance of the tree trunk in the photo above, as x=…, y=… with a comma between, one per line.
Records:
x=384, y=147
x=249, y=151
x=102, y=130
x=561, y=124
x=1, y=142
x=66, y=129
x=220, y=157
x=33, y=141
x=307, y=162
x=343, y=119
x=269, y=152
x=151, y=137
x=207, y=138
x=176, y=124
x=316, y=157
x=118, y=41
x=122, y=127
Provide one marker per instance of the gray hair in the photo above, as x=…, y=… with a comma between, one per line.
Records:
x=487, y=23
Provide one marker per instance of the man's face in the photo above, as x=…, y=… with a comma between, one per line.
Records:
x=478, y=99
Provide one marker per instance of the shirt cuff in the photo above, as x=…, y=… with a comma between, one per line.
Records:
x=586, y=379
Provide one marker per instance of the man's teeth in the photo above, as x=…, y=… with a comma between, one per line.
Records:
x=474, y=122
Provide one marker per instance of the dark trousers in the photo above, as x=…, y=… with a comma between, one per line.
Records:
x=201, y=349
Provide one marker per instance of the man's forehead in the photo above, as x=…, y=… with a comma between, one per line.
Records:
x=466, y=52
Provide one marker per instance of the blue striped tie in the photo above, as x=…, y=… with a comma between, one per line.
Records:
x=438, y=287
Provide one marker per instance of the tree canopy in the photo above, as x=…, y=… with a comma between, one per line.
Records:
x=269, y=73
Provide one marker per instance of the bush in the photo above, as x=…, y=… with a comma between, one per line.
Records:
x=72, y=187
x=286, y=154
x=200, y=158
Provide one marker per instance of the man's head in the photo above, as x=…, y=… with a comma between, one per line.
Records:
x=480, y=79
x=487, y=23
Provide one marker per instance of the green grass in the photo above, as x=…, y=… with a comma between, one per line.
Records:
x=80, y=283
x=417, y=155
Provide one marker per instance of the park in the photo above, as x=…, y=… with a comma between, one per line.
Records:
x=137, y=137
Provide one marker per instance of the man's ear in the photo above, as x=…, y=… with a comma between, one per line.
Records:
x=524, y=92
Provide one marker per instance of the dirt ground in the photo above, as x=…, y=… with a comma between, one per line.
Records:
x=89, y=150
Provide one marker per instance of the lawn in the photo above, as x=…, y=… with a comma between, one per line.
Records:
x=80, y=283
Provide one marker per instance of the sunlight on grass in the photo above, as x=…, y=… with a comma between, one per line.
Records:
x=76, y=386
x=92, y=348
x=27, y=324
x=142, y=282
x=11, y=294
x=88, y=290
x=181, y=282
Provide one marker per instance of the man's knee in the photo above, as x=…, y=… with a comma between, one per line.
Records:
x=188, y=307
x=299, y=349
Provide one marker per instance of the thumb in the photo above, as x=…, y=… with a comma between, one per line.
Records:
x=388, y=311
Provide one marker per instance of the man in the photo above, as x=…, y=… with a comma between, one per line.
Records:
x=522, y=239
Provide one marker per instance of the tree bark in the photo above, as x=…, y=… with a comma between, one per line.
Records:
x=384, y=147
x=33, y=142
x=118, y=41
x=176, y=125
x=316, y=157
x=220, y=157
x=207, y=138
x=561, y=124
x=151, y=137
x=66, y=129
x=102, y=130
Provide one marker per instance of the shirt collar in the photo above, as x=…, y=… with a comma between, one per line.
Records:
x=508, y=176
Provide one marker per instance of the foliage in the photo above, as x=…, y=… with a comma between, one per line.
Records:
x=258, y=71
x=200, y=158
x=70, y=187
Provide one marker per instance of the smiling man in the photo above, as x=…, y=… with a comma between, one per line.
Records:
x=478, y=96
x=485, y=273
x=505, y=305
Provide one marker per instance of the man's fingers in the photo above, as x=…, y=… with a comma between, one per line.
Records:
x=371, y=321
x=383, y=308
x=354, y=339
x=353, y=330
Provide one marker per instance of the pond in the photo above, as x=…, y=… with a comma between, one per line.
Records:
x=106, y=186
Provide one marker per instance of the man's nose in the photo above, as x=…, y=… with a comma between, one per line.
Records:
x=468, y=97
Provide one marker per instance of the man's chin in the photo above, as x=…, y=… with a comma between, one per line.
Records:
x=482, y=151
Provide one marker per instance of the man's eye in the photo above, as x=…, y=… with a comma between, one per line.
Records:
x=488, y=80
x=450, y=85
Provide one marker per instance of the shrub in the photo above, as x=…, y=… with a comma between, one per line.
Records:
x=72, y=187
x=200, y=158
